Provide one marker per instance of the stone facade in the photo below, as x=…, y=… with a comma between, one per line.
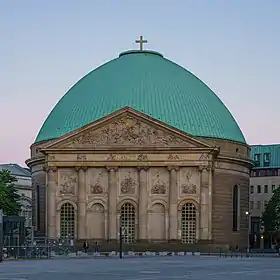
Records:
x=158, y=183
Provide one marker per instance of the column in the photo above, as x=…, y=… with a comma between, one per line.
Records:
x=204, y=203
x=51, y=201
x=210, y=182
x=173, y=203
x=112, y=203
x=82, y=208
x=143, y=202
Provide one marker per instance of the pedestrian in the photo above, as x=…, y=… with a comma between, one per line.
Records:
x=85, y=246
x=97, y=248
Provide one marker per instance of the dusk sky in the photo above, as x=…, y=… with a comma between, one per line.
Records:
x=47, y=46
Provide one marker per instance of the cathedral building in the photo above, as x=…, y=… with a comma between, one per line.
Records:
x=143, y=143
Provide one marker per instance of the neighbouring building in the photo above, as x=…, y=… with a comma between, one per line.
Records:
x=142, y=143
x=23, y=185
x=265, y=178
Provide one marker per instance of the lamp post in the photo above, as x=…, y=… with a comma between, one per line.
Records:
x=121, y=236
x=248, y=233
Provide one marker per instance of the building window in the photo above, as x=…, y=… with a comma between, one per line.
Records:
x=264, y=204
x=258, y=205
x=255, y=224
x=251, y=204
x=265, y=188
x=188, y=223
x=38, y=210
x=252, y=189
x=266, y=159
x=235, y=208
x=273, y=188
x=67, y=221
x=259, y=189
x=128, y=222
x=257, y=159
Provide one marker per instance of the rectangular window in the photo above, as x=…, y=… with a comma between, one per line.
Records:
x=252, y=189
x=255, y=225
x=257, y=159
x=266, y=159
x=251, y=204
x=265, y=188
x=273, y=188
x=38, y=208
x=235, y=204
x=264, y=203
x=258, y=205
x=259, y=189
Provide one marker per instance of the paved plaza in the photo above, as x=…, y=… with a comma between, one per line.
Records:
x=145, y=268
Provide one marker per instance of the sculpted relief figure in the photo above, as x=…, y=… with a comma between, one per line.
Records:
x=128, y=185
x=128, y=131
x=188, y=187
x=97, y=188
x=158, y=186
x=68, y=184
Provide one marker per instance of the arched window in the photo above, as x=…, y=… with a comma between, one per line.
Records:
x=26, y=212
x=128, y=222
x=67, y=221
x=235, y=208
x=188, y=223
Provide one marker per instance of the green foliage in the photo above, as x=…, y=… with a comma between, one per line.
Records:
x=271, y=216
x=9, y=198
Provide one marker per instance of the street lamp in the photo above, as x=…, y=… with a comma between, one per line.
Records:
x=248, y=233
x=121, y=235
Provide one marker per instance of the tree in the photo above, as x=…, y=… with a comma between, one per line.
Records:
x=9, y=197
x=271, y=216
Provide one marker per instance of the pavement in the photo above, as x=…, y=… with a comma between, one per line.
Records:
x=143, y=268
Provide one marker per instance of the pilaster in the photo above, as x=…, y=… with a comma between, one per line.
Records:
x=112, y=203
x=51, y=201
x=205, y=203
x=143, y=201
x=82, y=197
x=173, y=203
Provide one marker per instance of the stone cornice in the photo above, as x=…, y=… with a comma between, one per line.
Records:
x=35, y=160
x=132, y=150
x=246, y=162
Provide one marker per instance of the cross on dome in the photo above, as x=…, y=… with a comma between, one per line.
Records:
x=141, y=42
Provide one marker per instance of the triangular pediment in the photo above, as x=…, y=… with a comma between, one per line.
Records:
x=123, y=129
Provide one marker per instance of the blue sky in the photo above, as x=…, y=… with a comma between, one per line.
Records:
x=47, y=46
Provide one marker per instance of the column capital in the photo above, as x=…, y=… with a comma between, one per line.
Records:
x=205, y=167
x=112, y=168
x=170, y=168
x=81, y=168
x=145, y=168
x=47, y=168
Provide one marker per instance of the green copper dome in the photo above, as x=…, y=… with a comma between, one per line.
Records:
x=149, y=83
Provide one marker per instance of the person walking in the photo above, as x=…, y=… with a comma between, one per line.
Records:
x=85, y=246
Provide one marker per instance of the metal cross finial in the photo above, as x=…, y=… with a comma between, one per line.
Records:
x=141, y=42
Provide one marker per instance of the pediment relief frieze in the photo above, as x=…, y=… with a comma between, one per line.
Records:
x=126, y=130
